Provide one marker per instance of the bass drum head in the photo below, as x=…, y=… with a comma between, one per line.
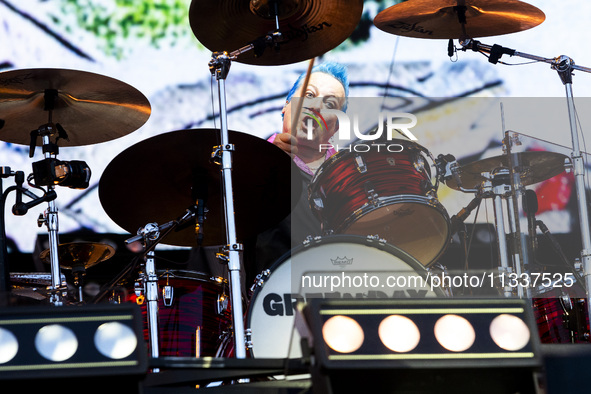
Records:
x=336, y=266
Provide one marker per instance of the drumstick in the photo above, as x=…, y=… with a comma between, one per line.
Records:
x=294, y=119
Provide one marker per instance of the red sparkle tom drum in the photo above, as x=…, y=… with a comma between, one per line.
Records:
x=388, y=192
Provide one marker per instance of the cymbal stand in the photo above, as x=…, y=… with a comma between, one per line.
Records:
x=151, y=235
x=50, y=216
x=564, y=66
x=219, y=66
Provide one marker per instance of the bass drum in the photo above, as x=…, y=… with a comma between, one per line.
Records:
x=337, y=266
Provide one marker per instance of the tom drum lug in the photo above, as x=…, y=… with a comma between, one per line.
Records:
x=222, y=303
x=360, y=164
x=248, y=338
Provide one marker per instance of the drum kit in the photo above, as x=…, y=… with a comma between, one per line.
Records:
x=204, y=190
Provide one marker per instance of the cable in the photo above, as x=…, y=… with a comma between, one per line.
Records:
x=391, y=71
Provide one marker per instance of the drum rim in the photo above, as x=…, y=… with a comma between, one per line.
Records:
x=409, y=198
x=379, y=244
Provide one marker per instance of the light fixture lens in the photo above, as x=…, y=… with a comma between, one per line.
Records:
x=399, y=333
x=115, y=340
x=454, y=333
x=509, y=332
x=56, y=342
x=342, y=334
x=8, y=345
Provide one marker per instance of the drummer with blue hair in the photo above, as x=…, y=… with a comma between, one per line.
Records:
x=302, y=138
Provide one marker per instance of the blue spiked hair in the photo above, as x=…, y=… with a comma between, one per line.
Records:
x=335, y=70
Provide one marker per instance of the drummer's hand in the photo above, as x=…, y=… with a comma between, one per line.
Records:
x=287, y=143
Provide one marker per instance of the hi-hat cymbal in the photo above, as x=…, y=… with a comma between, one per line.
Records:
x=158, y=179
x=80, y=254
x=309, y=27
x=92, y=108
x=533, y=167
x=440, y=18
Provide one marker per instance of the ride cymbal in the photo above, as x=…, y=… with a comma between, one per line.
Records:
x=158, y=179
x=91, y=108
x=309, y=27
x=443, y=18
x=533, y=167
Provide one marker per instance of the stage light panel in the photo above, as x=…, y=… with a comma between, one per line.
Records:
x=72, y=341
x=429, y=345
x=430, y=332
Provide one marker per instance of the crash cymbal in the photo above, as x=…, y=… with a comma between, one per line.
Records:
x=440, y=18
x=533, y=167
x=90, y=107
x=157, y=179
x=309, y=27
x=80, y=254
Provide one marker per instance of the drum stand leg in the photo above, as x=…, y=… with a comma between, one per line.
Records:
x=509, y=265
x=502, y=240
x=151, y=284
x=517, y=260
x=57, y=287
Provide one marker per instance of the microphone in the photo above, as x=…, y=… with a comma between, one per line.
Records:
x=459, y=218
x=530, y=206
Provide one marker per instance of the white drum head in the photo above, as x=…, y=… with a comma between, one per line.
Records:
x=363, y=268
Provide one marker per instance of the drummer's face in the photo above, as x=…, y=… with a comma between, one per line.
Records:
x=323, y=92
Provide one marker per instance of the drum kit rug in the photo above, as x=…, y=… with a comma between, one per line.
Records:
x=379, y=208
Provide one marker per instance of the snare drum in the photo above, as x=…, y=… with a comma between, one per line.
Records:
x=390, y=194
x=193, y=317
x=361, y=264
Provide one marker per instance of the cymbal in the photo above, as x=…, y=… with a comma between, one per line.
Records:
x=309, y=27
x=80, y=254
x=158, y=179
x=439, y=18
x=533, y=167
x=92, y=108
